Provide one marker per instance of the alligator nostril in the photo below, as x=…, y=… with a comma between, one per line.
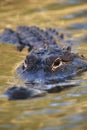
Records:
x=57, y=63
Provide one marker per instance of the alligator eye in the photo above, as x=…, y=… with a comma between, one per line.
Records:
x=30, y=62
x=57, y=63
x=24, y=65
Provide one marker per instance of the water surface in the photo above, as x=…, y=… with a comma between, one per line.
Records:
x=66, y=110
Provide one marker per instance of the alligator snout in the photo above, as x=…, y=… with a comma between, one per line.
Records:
x=15, y=93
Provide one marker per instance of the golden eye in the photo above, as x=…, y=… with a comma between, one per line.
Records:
x=56, y=64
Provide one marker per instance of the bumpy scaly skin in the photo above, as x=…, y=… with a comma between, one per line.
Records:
x=47, y=63
x=31, y=37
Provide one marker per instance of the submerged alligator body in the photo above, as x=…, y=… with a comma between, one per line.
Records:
x=47, y=63
x=31, y=37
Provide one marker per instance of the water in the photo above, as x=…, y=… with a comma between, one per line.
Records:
x=66, y=110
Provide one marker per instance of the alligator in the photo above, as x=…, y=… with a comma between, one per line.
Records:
x=47, y=64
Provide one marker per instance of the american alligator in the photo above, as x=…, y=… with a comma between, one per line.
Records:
x=47, y=64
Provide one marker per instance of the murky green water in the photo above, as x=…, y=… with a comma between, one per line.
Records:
x=61, y=111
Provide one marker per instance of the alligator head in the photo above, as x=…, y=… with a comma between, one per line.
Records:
x=51, y=64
